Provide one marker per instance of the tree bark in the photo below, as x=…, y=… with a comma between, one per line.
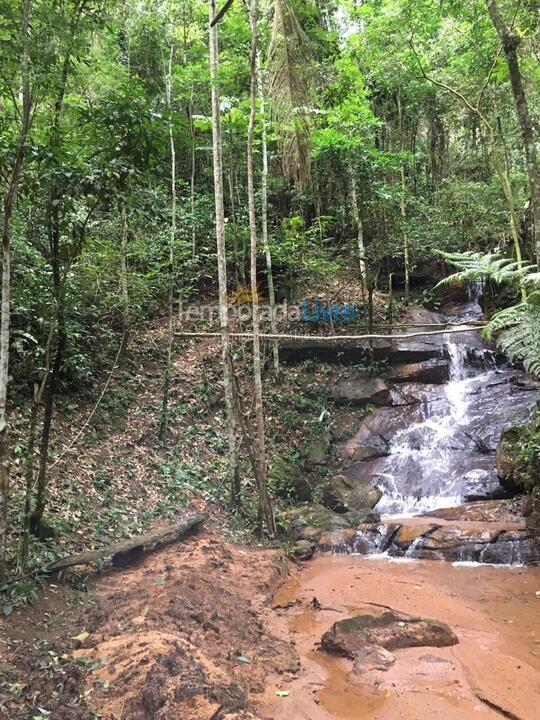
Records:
x=217, y=156
x=510, y=43
x=264, y=226
x=9, y=200
x=355, y=210
x=264, y=499
x=164, y=420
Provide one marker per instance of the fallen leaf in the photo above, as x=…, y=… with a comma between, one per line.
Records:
x=282, y=693
x=81, y=637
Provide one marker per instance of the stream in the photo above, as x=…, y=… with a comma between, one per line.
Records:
x=432, y=455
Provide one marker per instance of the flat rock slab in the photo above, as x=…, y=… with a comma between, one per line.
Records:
x=429, y=371
x=362, y=392
x=390, y=631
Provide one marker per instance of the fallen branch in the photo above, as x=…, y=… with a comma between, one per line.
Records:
x=126, y=551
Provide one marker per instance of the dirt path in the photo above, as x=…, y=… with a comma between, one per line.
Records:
x=493, y=672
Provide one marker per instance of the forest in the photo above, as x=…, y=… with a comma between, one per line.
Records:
x=246, y=243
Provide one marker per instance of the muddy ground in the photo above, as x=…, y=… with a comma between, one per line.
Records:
x=183, y=634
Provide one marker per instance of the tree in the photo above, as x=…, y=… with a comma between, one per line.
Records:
x=510, y=42
x=10, y=196
x=221, y=256
x=264, y=500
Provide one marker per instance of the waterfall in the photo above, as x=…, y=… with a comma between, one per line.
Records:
x=425, y=469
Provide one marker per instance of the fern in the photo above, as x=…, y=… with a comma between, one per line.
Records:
x=474, y=266
x=517, y=332
x=515, y=329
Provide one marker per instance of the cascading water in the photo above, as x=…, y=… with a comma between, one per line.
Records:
x=445, y=455
x=419, y=473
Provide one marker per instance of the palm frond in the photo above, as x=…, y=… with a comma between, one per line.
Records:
x=288, y=63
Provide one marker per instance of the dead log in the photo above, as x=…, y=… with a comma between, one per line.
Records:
x=125, y=551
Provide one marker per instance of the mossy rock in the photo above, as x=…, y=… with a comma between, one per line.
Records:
x=309, y=522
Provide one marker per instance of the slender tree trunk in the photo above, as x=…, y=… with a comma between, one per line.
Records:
x=124, y=289
x=402, y=208
x=264, y=225
x=9, y=200
x=510, y=42
x=164, y=420
x=264, y=499
x=217, y=156
x=359, y=228
x=192, y=177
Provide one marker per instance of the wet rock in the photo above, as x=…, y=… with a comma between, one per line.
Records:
x=448, y=537
x=360, y=392
x=504, y=511
x=407, y=534
x=303, y=550
x=372, y=657
x=433, y=371
x=343, y=493
x=390, y=630
x=338, y=540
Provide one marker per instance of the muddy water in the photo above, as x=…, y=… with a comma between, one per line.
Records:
x=493, y=672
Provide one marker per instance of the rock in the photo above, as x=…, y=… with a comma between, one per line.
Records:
x=365, y=391
x=433, y=371
x=360, y=517
x=302, y=550
x=346, y=353
x=407, y=534
x=316, y=449
x=449, y=537
x=507, y=461
x=391, y=630
x=372, y=657
x=505, y=511
x=308, y=522
x=340, y=540
x=342, y=494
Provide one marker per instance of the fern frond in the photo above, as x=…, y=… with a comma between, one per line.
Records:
x=517, y=331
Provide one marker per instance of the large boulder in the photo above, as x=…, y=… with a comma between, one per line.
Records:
x=433, y=371
x=391, y=630
x=342, y=494
x=309, y=522
x=366, y=391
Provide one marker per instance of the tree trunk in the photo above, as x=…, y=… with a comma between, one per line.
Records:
x=403, y=211
x=10, y=197
x=221, y=258
x=164, y=420
x=355, y=210
x=264, y=224
x=124, y=290
x=510, y=42
x=264, y=500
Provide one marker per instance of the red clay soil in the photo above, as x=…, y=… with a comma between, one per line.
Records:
x=180, y=636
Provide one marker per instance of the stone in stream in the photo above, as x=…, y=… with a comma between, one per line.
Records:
x=391, y=631
x=362, y=391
